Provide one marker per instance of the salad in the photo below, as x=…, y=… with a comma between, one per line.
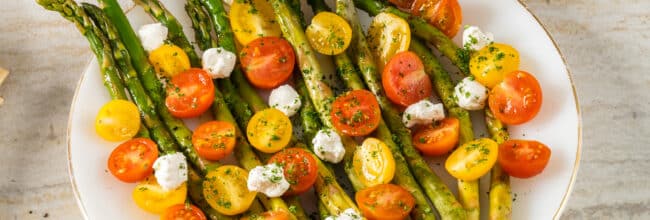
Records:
x=379, y=129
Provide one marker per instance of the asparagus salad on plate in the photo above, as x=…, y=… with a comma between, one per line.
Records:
x=275, y=126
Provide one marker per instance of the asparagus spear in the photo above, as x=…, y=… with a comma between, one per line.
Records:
x=176, y=35
x=200, y=24
x=500, y=197
x=468, y=190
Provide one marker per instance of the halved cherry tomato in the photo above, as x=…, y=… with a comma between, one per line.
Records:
x=269, y=130
x=373, y=162
x=473, y=159
x=225, y=190
x=214, y=140
x=385, y=201
x=523, y=159
x=300, y=169
x=270, y=215
x=117, y=120
x=517, y=99
x=356, y=113
x=328, y=33
x=389, y=34
x=404, y=79
x=268, y=61
x=251, y=19
x=151, y=197
x=183, y=212
x=133, y=160
x=446, y=15
x=438, y=138
x=169, y=60
x=189, y=93
x=490, y=64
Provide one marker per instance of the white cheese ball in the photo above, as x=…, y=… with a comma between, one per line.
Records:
x=152, y=36
x=171, y=170
x=285, y=99
x=475, y=39
x=268, y=179
x=423, y=112
x=470, y=94
x=219, y=62
x=328, y=146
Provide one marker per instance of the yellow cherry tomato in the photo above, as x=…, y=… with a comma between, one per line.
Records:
x=269, y=130
x=490, y=64
x=169, y=60
x=251, y=19
x=373, y=162
x=473, y=159
x=117, y=120
x=388, y=35
x=151, y=197
x=225, y=190
x=328, y=33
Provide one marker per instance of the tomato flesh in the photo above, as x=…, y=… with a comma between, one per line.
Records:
x=300, y=169
x=189, y=93
x=517, y=99
x=253, y=19
x=117, y=120
x=225, y=190
x=268, y=61
x=356, y=113
x=169, y=60
x=328, y=33
x=439, y=138
x=183, y=212
x=151, y=197
x=473, y=159
x=214, y=140
x=404, y=79
x=133, y=160
x=373, y=162
x=385, y=201
x=389, y=34
x=269, y=215
x=269, y=130
x=446, y=15
x=490, y=64
x=522, y=158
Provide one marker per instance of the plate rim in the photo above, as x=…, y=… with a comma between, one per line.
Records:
x=557, y=214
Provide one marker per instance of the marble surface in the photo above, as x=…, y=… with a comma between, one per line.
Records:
x=606, y=44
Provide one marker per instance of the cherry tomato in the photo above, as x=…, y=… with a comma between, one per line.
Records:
x=490, y=64
x=169, y=60
x=190, y=93
x=385, y=201
x=439, y=138
x=373, y=162
x=253, y=19
x=269, y=130
x=404, y=79
x=151, y=197
x=356, y=113
x=270, y=215
x=389, y=34
x=117, y=120
x=225, y=190
x=517, y=99
x=300, y=169
x=328, y=33
x=523, y=159
x=214, y=140
x=183, y=212
x=268, y=61
x=446, y=15
x=133, y=160
x=473, y=159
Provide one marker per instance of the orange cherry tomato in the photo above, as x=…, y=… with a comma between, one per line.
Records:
x=189, y=93
x=268, y=61
x=523, y=159
x=214, y=140
x=517, y=99
x=356, y=113
x=270, y=215
x=385, y=201
x=404, y=79
x=183, y=212
x=438, y=138
x=446, y=15
x=132, y=160
x=300, y=169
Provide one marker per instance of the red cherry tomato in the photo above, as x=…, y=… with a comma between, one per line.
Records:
x=183, y=212
x=268, y=61
x=439, y=138
x=214, y=140
x=523, y=159
x=190, y=93
x=356, y=113
x=404, y=79
x=385, y=201
x=517, y=99
x=132, y=160
x=300, y=169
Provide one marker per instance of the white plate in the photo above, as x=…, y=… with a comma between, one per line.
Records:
x=101, y=196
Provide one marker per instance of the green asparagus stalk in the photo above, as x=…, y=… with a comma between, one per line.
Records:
x=421, y=29
x=322, y=210
x=200, y=24
x=500, y=192
x=176, y=35
x=468, y=190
